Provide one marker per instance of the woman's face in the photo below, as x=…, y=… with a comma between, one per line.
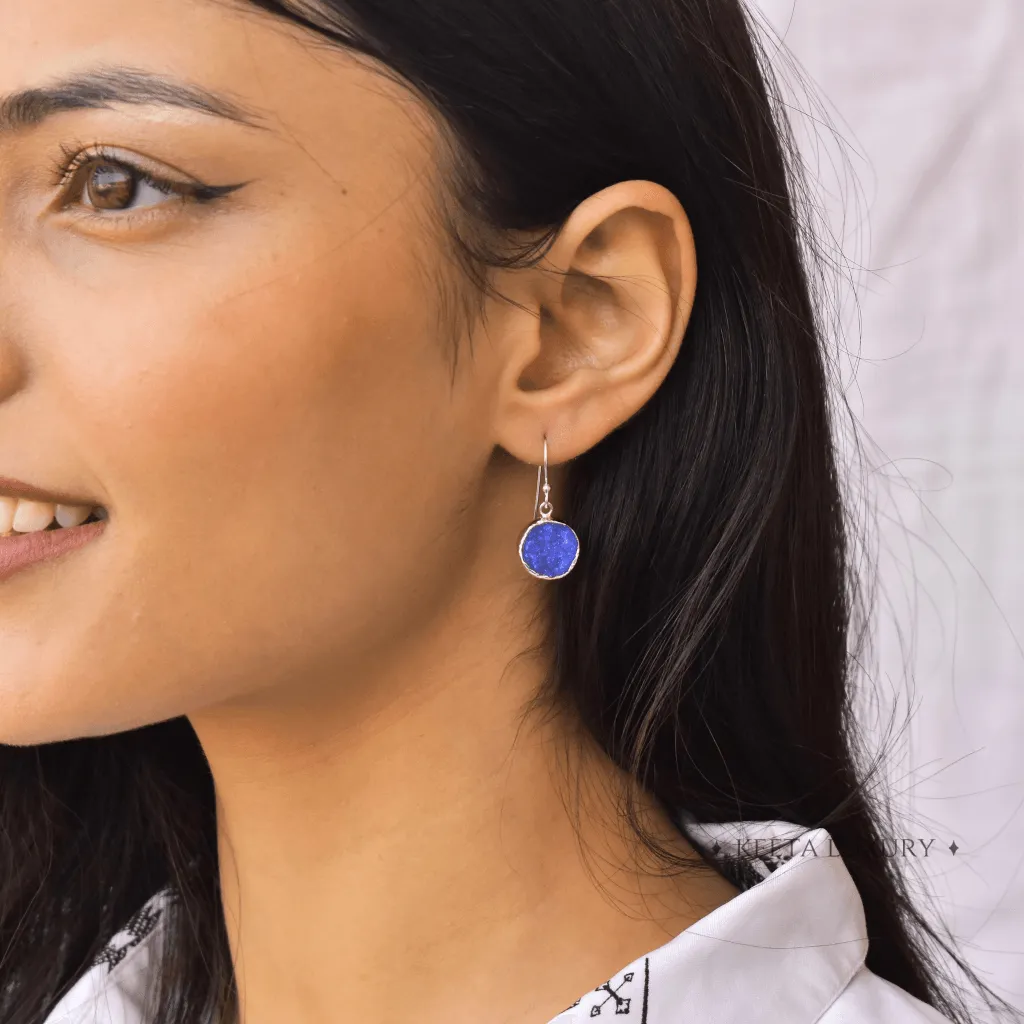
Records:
x=254, y=385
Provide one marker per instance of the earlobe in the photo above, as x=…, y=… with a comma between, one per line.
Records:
x=610, y=301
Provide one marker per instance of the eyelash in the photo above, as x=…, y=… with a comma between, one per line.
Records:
x=74, y=158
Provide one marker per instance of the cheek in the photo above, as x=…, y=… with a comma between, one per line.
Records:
x=260, y=438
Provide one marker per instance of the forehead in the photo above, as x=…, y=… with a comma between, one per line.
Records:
x=264, y=64
x=44, y=37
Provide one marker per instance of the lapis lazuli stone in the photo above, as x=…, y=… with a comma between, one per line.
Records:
x=549, y=548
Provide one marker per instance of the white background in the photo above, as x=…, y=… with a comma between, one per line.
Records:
x=928, y=97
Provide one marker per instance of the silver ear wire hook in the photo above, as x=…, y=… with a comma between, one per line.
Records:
x=544, y=508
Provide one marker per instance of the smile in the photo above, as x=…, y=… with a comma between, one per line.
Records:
x=34, y=531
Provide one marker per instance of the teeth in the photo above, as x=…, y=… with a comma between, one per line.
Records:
x=7, y=507
x=23, y=516
x=32, y=516
x=72, y=515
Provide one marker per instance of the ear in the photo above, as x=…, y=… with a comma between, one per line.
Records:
x=595, y=327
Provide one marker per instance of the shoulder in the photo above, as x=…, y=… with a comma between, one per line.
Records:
x=871, y=999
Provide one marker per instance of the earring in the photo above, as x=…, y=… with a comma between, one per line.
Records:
x=548, y=548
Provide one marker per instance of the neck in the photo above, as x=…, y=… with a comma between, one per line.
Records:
x=399, y=841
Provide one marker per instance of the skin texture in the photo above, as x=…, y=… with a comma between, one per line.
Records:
x=312, y=539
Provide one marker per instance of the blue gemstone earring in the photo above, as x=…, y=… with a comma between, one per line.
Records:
x=547, y=548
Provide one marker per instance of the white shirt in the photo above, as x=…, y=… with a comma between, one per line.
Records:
x=788, y=949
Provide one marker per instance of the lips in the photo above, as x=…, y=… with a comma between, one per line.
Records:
x=20, y=550
x=37, y=525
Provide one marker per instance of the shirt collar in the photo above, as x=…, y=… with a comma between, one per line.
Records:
x=780, y=951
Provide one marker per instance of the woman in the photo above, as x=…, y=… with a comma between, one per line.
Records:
x=307, y=714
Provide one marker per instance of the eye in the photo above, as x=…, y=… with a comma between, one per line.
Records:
x=102, y=184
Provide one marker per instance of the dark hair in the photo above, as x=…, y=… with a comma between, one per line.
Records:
x=705, y=642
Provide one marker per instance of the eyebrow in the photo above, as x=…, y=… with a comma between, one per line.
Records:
x=99, y=88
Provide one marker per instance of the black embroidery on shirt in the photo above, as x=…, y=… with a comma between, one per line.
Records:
x=777, y=855
x=744, y=867
x=139, y=925
x=621, y=1002
x=647, y=985
x=615, y=1001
